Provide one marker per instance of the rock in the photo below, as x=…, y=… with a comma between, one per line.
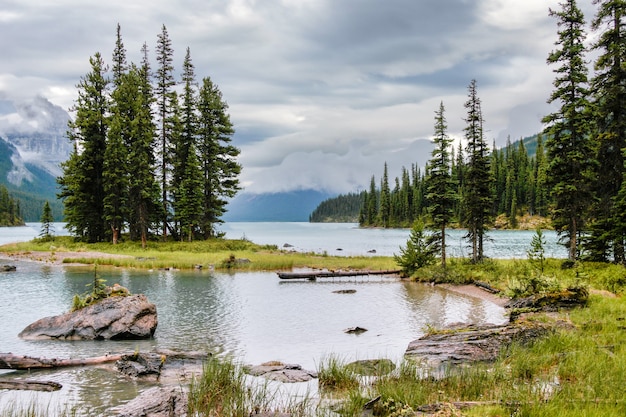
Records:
x=287, y=245
x=371, y=366
x=371, y=251
x=355, y=330
x=8, y=268
x=141, y=365
x=277, y=371
x=114, y=318
x=344, y=292
x=459, y=345
x=570, y=298
x=156, y=402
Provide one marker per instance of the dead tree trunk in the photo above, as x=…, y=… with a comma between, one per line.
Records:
x=47, y=386
x=10, y=361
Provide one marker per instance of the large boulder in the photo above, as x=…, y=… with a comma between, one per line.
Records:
x=114, y=318
x=465, y=344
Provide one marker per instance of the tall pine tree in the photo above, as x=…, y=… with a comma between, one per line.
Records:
x=439, y=184
x=164, y=94
x=477, y=200
x=81, y=184
x=568, y=129
x=607, y=236
x=217, y=156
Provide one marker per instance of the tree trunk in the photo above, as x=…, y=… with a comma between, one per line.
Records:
x=10, y=361
x=47, y=386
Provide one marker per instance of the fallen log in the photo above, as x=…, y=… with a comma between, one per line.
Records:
x=333, y=274
x=10, y=361
x=47, y=386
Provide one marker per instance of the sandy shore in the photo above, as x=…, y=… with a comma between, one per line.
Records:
x=474, y=291
x=57, y=258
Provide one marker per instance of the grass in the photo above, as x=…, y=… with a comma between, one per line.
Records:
x=334, y=374
x=223, y=390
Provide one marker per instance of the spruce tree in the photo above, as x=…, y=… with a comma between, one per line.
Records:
x=477, y=201
x=145, y=208
x=81, y=183
x=607, y=235
x=183, y=143
x=47, y=220
x=384, y=209
x=569, y=149
x=217, y=156
x=164, y=94
x=439, y=183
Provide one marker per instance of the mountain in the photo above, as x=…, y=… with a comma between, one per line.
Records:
x=293, y=206
x=32, y=146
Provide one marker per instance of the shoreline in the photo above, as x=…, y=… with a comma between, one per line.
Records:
x=57, y=258
x=477, y=292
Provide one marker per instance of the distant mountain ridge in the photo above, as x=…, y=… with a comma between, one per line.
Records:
x=33, y=143
x=291, y=206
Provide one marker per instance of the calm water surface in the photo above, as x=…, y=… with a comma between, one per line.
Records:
x=253, y=316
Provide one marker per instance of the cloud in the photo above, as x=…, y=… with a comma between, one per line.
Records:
x=321, y=92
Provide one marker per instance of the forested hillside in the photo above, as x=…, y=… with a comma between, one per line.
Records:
x=10, y=211
x=345, y=208
x=518, y=188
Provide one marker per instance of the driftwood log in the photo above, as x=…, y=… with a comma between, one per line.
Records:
x=30, y=385
x=11, y=361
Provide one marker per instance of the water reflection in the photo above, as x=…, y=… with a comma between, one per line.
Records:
x=253, y=316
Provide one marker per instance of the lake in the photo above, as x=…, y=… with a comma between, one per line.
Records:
x=252, y=316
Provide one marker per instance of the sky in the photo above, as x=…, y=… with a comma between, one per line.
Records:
x=321, y=92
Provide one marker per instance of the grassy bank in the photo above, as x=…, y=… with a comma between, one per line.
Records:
x=220, y=254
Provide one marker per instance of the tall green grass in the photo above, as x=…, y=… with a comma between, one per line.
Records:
x=224, y=390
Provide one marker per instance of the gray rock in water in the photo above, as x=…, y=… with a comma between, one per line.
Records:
x=156, y=402
x=281, y=372
x=355, y=330
x=114, y=318
x=8, y=268
x=141, y=365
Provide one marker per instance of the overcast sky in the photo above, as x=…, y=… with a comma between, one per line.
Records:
x=321, y=92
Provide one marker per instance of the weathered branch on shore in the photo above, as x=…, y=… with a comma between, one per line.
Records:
x=18, y=362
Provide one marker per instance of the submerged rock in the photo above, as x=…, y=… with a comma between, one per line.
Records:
x=114, y=318
x=141, y=365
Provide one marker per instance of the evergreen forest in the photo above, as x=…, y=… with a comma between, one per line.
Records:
x=152, y=155
x=10, y=210
x=576, y=175
x=519, y=190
